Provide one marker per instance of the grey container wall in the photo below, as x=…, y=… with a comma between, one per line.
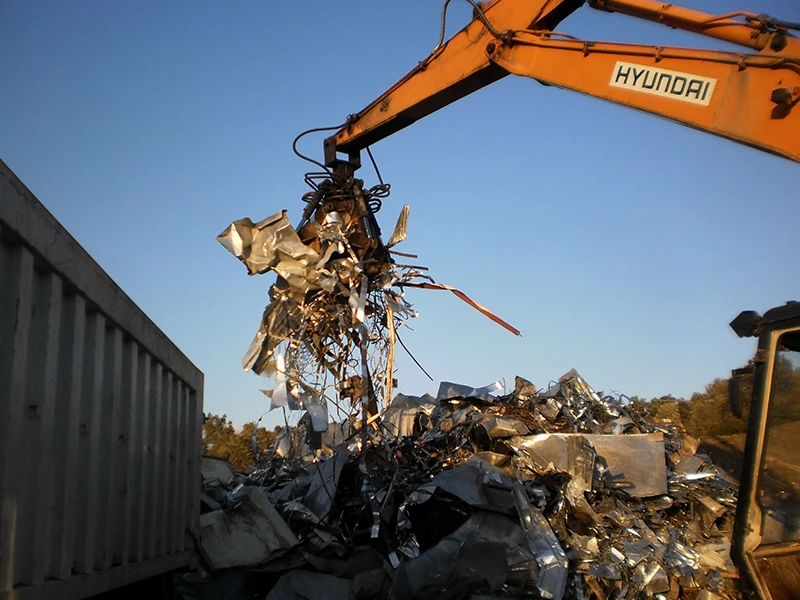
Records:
x=100, y=420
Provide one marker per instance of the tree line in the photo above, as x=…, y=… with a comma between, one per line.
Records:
x=221, y=439
x=707, y=413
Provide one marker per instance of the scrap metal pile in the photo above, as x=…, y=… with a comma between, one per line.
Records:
x=560, y=493
x=555, y=493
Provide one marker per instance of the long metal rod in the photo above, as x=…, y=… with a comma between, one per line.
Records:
x=390, y=357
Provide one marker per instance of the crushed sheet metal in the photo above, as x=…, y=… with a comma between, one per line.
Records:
x=319, y=497
x=503, y=427
x=215, y=471
x=401, y=422
x=262, y=246
x=544, y=545
x=476, y=482
x=636, y=462
x=448, y=511
x=449, y=391
x=488, y=550
x=406, y=414
x=250, y=535
x=570, y=453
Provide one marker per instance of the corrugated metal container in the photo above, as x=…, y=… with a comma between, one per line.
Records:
x=100, y=420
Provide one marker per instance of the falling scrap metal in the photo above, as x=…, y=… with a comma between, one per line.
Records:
x=329, y=330
x=556, y=493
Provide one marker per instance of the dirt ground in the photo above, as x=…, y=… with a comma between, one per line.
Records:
x=783, y=452
x=726, y=452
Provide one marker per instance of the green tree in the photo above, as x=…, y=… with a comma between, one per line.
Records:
x=666, y=409
x=217, y=433
x=708, y=412
x=221, y=439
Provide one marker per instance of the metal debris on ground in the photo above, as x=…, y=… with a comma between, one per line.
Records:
x=556, y=493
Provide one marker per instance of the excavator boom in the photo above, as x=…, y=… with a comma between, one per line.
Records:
x=747, y=97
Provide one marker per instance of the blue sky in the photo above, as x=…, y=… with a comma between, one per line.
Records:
x=620, y=244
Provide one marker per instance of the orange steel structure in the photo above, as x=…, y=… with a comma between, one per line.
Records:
x=747, y=97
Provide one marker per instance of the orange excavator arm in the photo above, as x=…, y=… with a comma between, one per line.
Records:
x=750, y=97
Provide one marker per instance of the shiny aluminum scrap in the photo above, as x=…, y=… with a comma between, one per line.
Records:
x=557, y=493
x=335, y=304
x=333, y=312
